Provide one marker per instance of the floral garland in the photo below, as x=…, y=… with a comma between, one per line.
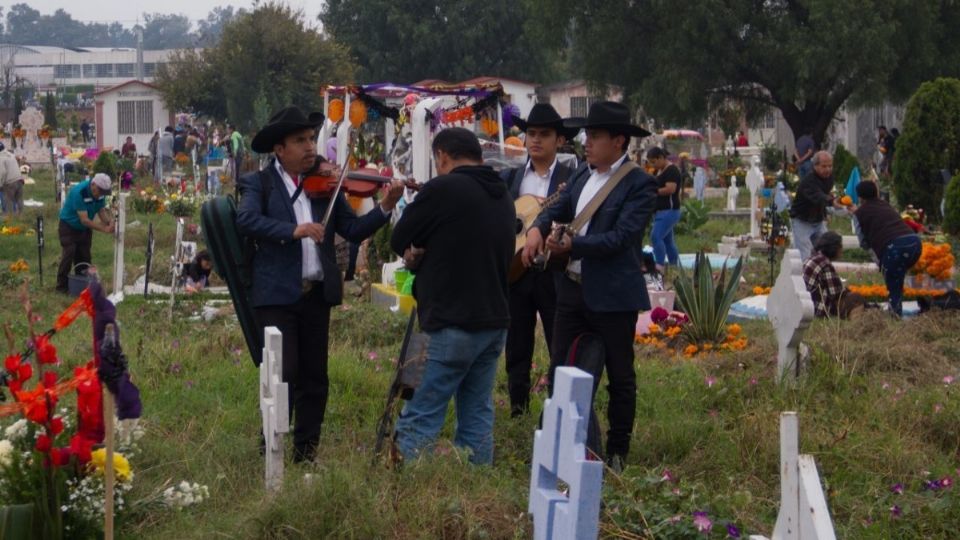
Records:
x=880, y=292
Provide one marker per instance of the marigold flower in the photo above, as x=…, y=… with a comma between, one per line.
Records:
x=734, y=329
x=690, y=350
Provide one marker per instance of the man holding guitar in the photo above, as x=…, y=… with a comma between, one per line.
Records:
x=533, y=292
x=608, y=206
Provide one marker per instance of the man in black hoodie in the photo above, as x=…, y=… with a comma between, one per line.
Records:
x=458, y=237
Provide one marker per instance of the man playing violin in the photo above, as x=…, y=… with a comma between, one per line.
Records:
x=295, y=275
x=534, y=292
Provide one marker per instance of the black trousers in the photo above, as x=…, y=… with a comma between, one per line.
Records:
x=617, y=330
x=534, y=293
x=75, y=249
x=305, y=326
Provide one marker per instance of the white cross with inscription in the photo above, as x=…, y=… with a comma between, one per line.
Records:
x=273, y=406
x=559, y=453
x=790, y=309
x=754, y=183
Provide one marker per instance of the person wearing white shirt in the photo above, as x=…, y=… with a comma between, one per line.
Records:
x=603, y=287
x=533, y=293
x=295, y=278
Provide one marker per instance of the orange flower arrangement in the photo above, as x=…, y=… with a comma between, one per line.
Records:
x=880, y=292
x=490, y=126
x=335, y=110
x=846, y=200
x=936, y=261
x=19, y=266
x=358, y=113
x=759, y=290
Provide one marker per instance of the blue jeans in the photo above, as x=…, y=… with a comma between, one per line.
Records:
x=664, y=246
x=803, y=234
x=805, y=168
x=898, y=258
x=460, y=365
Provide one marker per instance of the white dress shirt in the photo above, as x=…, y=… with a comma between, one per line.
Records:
x=533, y=183
x=596, y=181
x=311, y=269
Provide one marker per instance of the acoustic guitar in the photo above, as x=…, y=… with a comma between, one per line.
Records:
x=528, y=208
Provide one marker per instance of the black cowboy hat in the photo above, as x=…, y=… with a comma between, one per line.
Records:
x=281, y=124
x=608, y=115
x=544, y=115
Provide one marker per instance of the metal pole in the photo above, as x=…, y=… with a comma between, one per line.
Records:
x=40, y=248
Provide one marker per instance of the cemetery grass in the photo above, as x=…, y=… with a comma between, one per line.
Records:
x=875, y=411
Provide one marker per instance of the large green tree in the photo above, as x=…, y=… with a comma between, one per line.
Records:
x=930, y=142
x=269, y=56
x=804, y=57
x=404, y=41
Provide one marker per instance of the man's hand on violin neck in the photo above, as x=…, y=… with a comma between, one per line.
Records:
x=314, y=231
x=393, y=194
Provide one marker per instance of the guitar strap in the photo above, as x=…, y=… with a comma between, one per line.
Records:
x=586, y=215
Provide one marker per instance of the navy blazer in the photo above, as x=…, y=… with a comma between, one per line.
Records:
x=610, y=253
x=278, y=262
x=514, y=177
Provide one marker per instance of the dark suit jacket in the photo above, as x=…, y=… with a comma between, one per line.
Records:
x=278, y=262
x=611, y=250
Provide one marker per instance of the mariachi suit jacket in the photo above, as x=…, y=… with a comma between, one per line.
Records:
x=278, y=261
x=610, y=253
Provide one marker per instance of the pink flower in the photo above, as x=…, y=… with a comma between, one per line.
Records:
x=895, y=511
x=948, y=379
x=937, y=408
x=666, y=476
x=372, y=355
x=946, y=482
x=702, y=522
x=897, y=488
x=710, y=380
x=753, y=381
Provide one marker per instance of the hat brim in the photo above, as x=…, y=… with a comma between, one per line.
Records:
x=583, y=123
x=562, y=130
x=271, y=134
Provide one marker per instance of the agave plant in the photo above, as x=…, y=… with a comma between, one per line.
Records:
x=706, y=300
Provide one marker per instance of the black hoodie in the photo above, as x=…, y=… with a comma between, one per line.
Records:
x=466, y=222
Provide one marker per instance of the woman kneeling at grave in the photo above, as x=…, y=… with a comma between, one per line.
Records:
x=830, y=297
x=197, y=274
x=894, y=244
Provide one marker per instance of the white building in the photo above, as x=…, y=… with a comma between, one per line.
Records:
x=134, y=109
x=46, y=67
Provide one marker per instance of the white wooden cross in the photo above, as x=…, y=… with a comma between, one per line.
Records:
x=175, y=264
x=120, y=231
x=274, y=407
x=803, y=509
x=754, y=183
x=559, y=453
x=790, y=310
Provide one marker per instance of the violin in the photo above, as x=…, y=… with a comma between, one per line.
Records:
x=321, y=182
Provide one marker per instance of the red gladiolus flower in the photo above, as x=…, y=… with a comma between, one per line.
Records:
x=56, y=425
x=81, y=447
x=44, y=443
x=14, y=386
x=49, y=379
x=46, y=351
x=36, y=404
x=12, y=362
x=59, y=456
x=24, y=372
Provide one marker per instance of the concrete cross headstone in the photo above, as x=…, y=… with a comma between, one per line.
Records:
x=803, y=509
x=31, y=120
x=790, y=309
x=273, y=406
x=119, y=237
x=175, y=264
x=732, y=193
x=754, y=183
x=559, y=454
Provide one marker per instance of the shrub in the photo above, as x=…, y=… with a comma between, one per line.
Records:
x=106, y=163
x=843, y=163
x=695, y=215
x=772, y=157
x=930, y=141
x=951, y=209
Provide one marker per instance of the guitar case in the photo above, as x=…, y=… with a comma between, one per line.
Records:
x=218, y=218
x=588, y=353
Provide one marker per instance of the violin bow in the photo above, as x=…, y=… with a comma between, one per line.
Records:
x=343, y=176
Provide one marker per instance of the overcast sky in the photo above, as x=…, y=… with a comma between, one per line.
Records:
x=127, y=11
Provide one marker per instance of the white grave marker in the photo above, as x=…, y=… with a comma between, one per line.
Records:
x=790, y=309
x=120, y=231
x=803, y=508
x=273, y=406
x=754, y=183
x=732, y=193
x=559, y=453
x=176, y=266
x=31, y=120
